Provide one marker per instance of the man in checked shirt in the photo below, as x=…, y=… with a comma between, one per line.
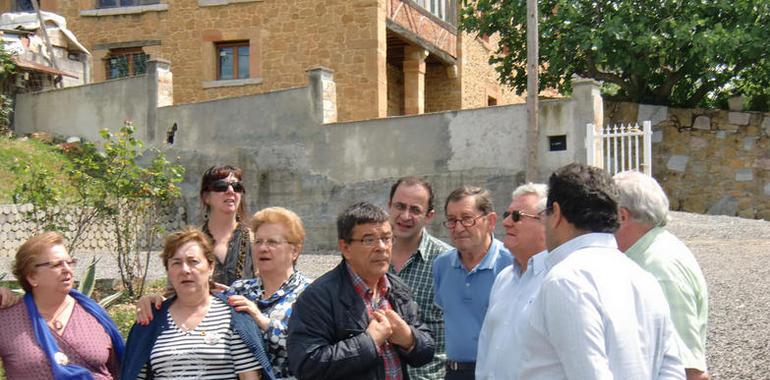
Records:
x=411, y=208
x=358, y=321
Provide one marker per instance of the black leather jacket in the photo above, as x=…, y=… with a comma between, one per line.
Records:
x=327, y=331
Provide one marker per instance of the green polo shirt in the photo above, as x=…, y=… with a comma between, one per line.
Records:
x=674, y=266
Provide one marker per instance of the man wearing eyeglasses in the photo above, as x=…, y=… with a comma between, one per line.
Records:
x=414, y=250
x=643, y=214
x=499, y=352
x=598, y=315
x=357, y=321
x=463, y=277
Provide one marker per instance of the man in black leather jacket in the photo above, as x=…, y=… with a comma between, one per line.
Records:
x=357, y=321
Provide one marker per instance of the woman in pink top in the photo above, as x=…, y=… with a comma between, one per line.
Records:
x=55, y=332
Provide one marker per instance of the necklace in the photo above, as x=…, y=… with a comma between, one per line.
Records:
x=53, y=321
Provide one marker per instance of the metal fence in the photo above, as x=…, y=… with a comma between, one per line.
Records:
x=618, y=147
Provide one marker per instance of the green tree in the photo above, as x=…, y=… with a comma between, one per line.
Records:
x=667, y=52
x=137, y=184
x=7, y=72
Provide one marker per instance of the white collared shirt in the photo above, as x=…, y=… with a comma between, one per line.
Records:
x=499, y=352
x=598, y=316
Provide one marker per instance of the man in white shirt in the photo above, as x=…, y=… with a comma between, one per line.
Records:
x=598, y=315
x=499, y=352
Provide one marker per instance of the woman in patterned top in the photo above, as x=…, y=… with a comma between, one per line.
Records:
x=194, y=335
x=222, y=196
x=56, y=332
x=278, y=240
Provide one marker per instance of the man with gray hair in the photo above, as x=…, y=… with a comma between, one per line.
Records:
x=499, y=352
x=643, y=212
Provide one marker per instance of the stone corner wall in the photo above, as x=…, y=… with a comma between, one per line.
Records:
x=708, y=161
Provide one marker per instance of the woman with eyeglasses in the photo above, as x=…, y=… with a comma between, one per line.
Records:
x=222, y=196
x=278, y=240
x=56, y=332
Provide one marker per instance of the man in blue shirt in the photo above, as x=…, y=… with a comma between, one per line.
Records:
x=463, y=277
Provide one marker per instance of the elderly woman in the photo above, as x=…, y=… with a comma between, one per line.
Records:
x=194, y=334
x=278, y=240
x=222, y=196
x=57, y=332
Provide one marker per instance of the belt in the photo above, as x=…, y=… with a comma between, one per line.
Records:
x=457, y=366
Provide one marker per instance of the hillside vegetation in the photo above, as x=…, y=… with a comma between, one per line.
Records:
x=14, y=150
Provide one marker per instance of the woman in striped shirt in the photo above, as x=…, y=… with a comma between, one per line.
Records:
x=194, y=335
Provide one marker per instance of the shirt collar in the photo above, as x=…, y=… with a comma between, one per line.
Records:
x=383, y=284
x=535, y=264
x=487, y=262
x=422, y=249
x=636, y=251
x=594, y=239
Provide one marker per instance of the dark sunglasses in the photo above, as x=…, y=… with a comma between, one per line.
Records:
x=220, y=186
x=516, y=215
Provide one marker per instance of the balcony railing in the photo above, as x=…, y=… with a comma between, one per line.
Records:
x=446, y=10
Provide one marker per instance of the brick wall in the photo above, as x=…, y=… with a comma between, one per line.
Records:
x=396, y=90
x=479, y=78
x=708, y=161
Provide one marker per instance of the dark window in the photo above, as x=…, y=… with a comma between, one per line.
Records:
x=24, y=6
x=491, y=101
x=126, y=62
x=233, y=60
x=557, y=143
x=125, y=3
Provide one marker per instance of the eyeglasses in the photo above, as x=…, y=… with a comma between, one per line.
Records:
x=544, y=211
x=220, y=186
x=516, y=215
x=370, y=241
x=270, y=243
x=414, y=210
x=467, y=221
x=58, y=264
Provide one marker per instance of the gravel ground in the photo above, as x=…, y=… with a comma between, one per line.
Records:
x=734, y=254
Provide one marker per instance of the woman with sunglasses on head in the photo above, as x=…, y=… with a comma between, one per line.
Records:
x=56, y=332
x=222, y=196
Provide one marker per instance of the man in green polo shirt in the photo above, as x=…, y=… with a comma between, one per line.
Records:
x=643, y=211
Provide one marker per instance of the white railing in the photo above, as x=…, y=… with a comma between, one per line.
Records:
x=617, y=147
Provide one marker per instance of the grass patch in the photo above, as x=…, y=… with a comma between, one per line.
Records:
x=31, y=151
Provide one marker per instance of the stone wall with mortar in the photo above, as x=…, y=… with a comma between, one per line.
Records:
x=286, y=38
x=479, y=78
x=708, y=161
x=395, y=91
x=16, y=228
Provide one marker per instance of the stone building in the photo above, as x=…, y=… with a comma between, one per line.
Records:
x=389, y=57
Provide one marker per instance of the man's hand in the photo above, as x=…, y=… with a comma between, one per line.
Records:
x=245, y=305
x=144, y=308
x=7, y=298
x=379, y=328
x=694, y=374
x=402, y=333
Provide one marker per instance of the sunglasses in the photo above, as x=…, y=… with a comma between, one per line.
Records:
x=516, y=215
x=220, y=186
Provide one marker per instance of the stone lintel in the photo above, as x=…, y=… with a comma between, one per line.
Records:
x=231, y=83
x=127, y=44
x=124, y=10
x=216, y=3
x=415, y=39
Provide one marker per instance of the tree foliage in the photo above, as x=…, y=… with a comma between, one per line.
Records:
x=667, y=52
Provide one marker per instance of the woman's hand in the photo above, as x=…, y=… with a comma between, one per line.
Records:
x=144, y=308
x=7, y=298
x=243, y=304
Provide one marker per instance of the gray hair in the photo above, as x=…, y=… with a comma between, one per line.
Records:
x=538, y=189
x=643, y=197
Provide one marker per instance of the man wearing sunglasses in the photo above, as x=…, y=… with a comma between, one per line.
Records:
x=499, y=352
x=411, y=208
x=643, y=214
x=463, y=277
x=598, y=315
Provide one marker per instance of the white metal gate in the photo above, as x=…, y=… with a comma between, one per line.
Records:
x=616, y=148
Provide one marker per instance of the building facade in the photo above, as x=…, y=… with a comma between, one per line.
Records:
x=389, y=57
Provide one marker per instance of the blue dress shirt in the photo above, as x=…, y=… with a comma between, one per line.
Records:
x=464, y=297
